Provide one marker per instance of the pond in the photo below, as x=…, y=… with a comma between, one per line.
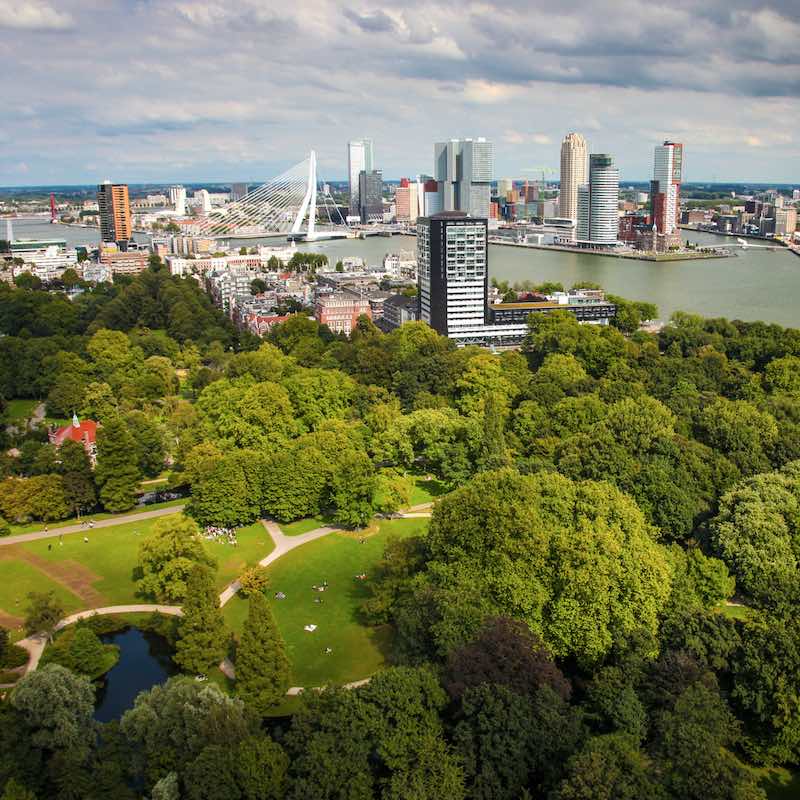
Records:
x=144, y=661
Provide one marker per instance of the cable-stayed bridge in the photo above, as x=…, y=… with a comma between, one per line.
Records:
x=290, y=204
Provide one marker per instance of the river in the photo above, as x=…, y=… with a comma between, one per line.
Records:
x=753, y=285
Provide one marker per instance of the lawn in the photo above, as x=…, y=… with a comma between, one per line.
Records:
x=425, y=491
x=357, y=651
x=304, y=526
x=740, y=612
x=101, y=571
x=20, y=410
x=31, y=527
x=17, y=578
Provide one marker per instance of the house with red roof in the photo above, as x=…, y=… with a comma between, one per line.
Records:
x=84, y=432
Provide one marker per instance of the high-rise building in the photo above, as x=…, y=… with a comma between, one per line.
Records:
x=370, y=195
x=202, y=201
x=177, y=198
x=115, y=213
x=665, y=187
x=430, y=197
x=405, y=199
x=360, y=159
x=598, y=203
x=505, y=187
x=464, y=169
x=452, y=270
x=574, y=153
x=238, y=191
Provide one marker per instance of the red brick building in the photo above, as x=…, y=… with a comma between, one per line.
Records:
x=340, y=310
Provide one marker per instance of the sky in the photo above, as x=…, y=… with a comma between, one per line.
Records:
x=220, y=90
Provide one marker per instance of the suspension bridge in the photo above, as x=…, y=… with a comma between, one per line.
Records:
x=290, y=204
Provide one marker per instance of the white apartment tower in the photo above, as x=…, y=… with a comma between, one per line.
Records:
x=464, y=169
x=177, y=199
x=666, y=187
x=574, y=159
x=359, y=159
x=598, y=203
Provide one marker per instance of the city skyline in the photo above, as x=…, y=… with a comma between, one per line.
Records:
x=725, y=81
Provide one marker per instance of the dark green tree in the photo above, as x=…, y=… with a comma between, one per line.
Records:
x=262, y=668
x=43, y=613
x=117, y=472
x=202, y=637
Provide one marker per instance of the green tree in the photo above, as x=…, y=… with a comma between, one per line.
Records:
x=202, y=637
x=117, y=472
x=16, y=791
x=258, y=286
x=493, y=453
x=167, y=557
x=43, y=613
x=262, y=668
x=57, y=707
x=148, y=440
x=352, y=489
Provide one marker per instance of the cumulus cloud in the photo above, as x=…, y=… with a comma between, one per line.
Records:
x=31, y=15
x=213, y=89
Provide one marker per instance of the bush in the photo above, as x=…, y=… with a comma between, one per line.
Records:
x=5, y=528
x=80, y=650
x=253, y=581
x=14, y=656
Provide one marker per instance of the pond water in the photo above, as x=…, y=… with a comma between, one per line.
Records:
x=144, y=661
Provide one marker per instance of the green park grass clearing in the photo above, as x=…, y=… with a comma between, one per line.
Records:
x=32, y=527
x=101, y=571
x=304, y=526
x=20, y=410
x=736, y=611
x=18, y=578
x=357, y=650
x=425, y=491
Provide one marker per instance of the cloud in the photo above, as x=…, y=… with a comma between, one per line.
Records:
x=376, y=22
x=31, y=15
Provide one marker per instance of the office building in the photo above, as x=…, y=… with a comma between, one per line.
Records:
x=360, y=159
x=453, y=276
x=785, y=221
x=115, y=213
x=202, y=201
x=505, y=189
x=370, y=196
x=407, y=201
x=177, y=199
x=666, y=186
x=598, y=203
x=464, y=170
x=574, y=157
x=431, y=198
x=238, y=191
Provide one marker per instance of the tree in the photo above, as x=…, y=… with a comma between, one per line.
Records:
x=505, y=653
x=88, y=654
x=610, y=767
x=44, y=612
x=253, y=581
x=167, y=557
x=148, y=439
x=172, y=723
x=352, y=489
x=561, y=556
x=16, y=791
x=202, y=637
x=117, y=472
x=493, y=454
x=757, y=534
x=57, y=707
x=258, y=286
x=262, y=668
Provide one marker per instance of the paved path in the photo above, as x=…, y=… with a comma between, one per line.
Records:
x=98, y=523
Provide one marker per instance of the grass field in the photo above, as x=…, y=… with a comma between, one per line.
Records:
x=425, y=491
x=20, y=410
x=31, y=527
x=304, y=526
x=101, y=571
x=736, y=611
x=358, y=651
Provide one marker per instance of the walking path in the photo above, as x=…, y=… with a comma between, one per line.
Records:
x=283, y=544
x=98, y=523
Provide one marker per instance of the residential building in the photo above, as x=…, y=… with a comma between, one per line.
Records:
x=340, y=310
x=401, y=266
x=202, y=201
x=360, y=159
x=177, y=199
x=238, y=191
x=464, y=170
x=452, y=255
x=431, y=198
x=574, y=160
x=399, y=309
x=115, y=213
x=402, y=199
x=665, y=187
x=84, y=433
x=124, y=263
x=598, y=203
x=370, y=196
x=785, y=221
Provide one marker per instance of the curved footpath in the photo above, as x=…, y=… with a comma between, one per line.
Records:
x=283, y=544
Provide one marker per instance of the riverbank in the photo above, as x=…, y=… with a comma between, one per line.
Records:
x=631, y=255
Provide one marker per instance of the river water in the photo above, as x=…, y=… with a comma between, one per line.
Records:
x=753, y=285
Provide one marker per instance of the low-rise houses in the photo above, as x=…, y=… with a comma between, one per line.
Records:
x=340, y=310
